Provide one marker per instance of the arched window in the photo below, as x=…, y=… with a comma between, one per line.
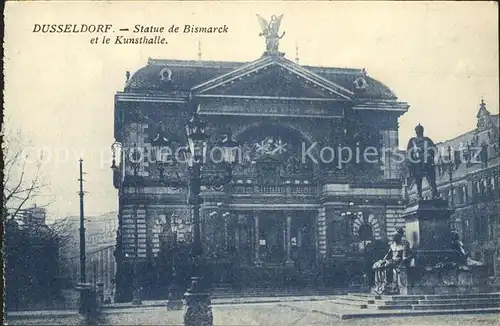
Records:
x=484, y=187
x=484, y=153
x=477, y=189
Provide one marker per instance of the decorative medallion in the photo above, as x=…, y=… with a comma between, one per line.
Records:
x=166, y=75
x=360, y=83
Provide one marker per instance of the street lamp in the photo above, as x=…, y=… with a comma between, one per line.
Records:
x=199, y=310
x=114, y=146
x=118, y=249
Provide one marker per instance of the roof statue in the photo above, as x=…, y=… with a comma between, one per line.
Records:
x=270, y=32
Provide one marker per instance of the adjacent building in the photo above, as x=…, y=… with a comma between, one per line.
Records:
x=468, y=176
x=34, y=215
x=100, y=237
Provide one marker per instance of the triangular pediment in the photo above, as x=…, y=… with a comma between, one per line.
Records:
x=272, y=77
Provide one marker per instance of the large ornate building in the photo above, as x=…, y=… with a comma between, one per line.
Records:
x=291, y=204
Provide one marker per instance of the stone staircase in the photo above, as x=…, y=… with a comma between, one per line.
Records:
x=435, y=302
x=223, y=292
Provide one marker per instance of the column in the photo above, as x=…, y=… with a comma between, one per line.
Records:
x=226, y=233
x=237, y=234
x=288, y=226
x=284, y=238
x=239, y=220
x=101, y=266
x=256, y=233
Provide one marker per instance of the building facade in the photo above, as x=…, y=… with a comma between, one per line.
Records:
x=295, y=199
x=34, y=215
x=100, y=237
x=467, y=176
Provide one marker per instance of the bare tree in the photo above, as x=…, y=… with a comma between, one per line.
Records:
x=21, y=177
x=64, y=229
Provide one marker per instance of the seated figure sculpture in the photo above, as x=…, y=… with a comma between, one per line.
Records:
x=463, y=256
x=387, y=270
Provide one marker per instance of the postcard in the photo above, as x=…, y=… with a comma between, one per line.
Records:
x=251, y=163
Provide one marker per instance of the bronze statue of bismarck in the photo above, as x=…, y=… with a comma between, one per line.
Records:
x=421, y=153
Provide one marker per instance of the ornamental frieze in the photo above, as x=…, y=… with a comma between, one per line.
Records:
x=271, y=110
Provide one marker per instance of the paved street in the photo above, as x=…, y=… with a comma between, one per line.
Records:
x=265, y=314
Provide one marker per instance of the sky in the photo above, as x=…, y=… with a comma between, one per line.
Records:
x=440, y=57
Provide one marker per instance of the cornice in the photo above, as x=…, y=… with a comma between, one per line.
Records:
x=148, y=97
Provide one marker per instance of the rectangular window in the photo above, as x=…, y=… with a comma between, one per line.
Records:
x=491, y=228
x=457, y=158
x=461, y=195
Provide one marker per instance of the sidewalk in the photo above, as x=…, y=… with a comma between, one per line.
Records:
x=111, y=308
x=226, y=301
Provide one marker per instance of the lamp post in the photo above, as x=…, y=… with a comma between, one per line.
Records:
x=199, y=310
x=118, y=249
x=83, y=287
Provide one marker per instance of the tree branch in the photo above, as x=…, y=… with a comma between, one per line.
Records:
x=21, y=183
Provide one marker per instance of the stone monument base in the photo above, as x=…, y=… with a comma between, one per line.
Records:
x=443, y=279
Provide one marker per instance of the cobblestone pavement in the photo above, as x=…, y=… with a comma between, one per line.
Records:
x=270, y=314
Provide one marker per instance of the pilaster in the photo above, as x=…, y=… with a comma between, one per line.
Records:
x=256, y=232
x=321, y=229
x=288, y=226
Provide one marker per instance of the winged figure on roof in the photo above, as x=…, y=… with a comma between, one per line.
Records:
x=270, y=30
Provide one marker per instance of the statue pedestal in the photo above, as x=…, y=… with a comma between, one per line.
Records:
x=443, y=279
x=435, y=268
x=428, y=225
x=274, y=53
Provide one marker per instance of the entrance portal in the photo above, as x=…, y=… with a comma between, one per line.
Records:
x=272, y=236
